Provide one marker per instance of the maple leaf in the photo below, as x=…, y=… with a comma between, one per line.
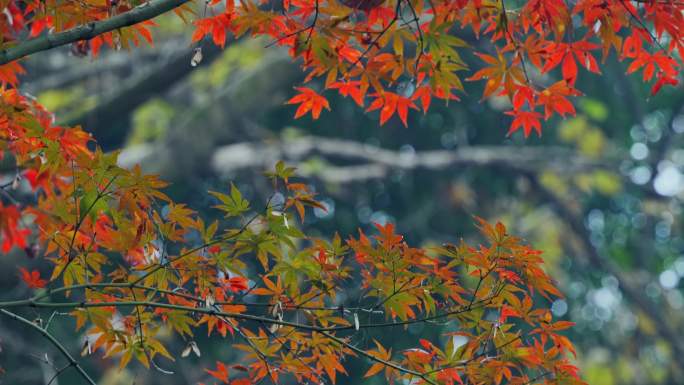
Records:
x=352, y=89
x=528, y=120
x=237, y=284
x=449, y=375
x=389, y=103
x=9, y=73
x=32, y=279
x=554, y=99
x=331, y=365
x=12, y=235
x=221, y=372
x=424, y=94
x=663, y=79
x=658, y=62
x=40, y=24
x=215, y=26
x=523, y=94
x=387, y=235
x=308, y=100
x=36, y=179
x=498, y=72
x=505, y=312
x=569, y=54
x=382, y=354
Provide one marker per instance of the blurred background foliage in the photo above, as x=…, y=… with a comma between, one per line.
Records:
x=601, y=193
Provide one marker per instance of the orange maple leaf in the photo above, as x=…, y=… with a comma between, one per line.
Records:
x=221, y=372
x=309, y=100
x=389, y=103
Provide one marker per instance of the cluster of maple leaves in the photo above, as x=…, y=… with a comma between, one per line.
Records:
x=395, y=54
x=131, y=266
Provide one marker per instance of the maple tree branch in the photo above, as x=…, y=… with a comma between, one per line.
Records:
x=202, y=310
x=313, y=23
x=90, y=30
x=462, y=363
x=35, y=303
x=641, y=24
x=57, y=374
x=421, y=39
x=53, y=341
x=374, y=42
x=229, y=237
x=289, y=350
x=79, y=223
x=364, y=353
x=262, y=356
x=124, y=285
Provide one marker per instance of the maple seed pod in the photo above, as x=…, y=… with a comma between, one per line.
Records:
x=32, y=250
x=366, y=38
x=16, y=182
x=80, y=48
x=363, y=5
x=406, y=88
x=196, y=57
x=192, y=347
x=209, y=301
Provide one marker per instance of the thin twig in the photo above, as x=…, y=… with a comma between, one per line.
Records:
x=54, y=341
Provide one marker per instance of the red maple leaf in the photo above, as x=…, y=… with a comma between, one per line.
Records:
x=309, y=100
x=9, y=228
x=449, y=375
x=662, y=80
x=32, y=279
x=525, y=119
x=351, y=89
x=507, y=311
x=389, y=103
x=236, y=284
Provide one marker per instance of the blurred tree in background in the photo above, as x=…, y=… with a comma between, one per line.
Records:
x=600, y=192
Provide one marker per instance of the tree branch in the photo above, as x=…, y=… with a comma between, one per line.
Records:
x=378, y=162
x=364, y=353
x=50, y=74
x=54, y=341
x=239, y=316
x=631, y=292
x=88, y=31
x=109, y=119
